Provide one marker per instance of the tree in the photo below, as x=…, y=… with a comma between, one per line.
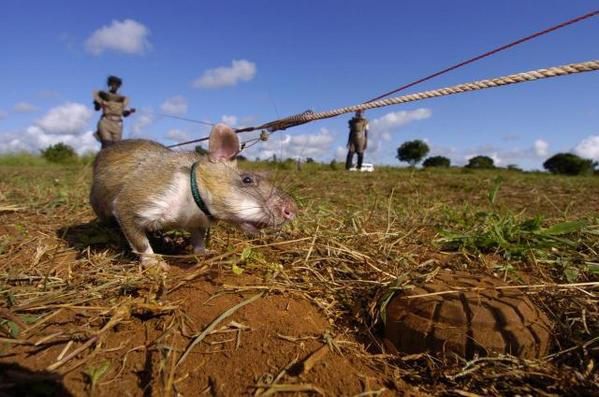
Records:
x=569, y=164
x=412, y=152
x=436, y=161
x=310, y=160
x=481, y=162
x=514, y=167
x=60, y=153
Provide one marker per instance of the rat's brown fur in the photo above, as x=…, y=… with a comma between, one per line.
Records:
x=146, y=187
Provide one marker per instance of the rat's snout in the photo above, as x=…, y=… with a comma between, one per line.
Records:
x=288, y=212
x=288, y=209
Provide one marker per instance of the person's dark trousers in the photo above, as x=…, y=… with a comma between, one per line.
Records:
x=349, y=160
x=360, y=158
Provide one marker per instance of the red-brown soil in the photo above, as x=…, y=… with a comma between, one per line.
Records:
x=76, y=309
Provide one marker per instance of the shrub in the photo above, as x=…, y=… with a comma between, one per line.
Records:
x=60, y=153
x=569, y=164
x=514, y=167
x=412, y=152
x=437, y=161
x=481, y=162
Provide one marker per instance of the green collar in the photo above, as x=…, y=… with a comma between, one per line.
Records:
x=195, y=192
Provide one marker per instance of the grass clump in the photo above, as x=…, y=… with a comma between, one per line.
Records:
x=566, y=246
x=21, y=159
x=509, y=235
x=519, y=238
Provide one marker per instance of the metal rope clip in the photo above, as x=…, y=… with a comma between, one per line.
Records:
x=264, y=135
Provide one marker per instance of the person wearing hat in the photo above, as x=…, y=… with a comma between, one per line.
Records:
x=358, y=140
x=114, y=107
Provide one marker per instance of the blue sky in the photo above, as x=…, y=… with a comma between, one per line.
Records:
x=248, y=62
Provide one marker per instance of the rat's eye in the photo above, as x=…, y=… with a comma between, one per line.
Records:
x=248, y=180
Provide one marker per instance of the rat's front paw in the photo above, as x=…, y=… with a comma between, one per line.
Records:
x=154, y=260
x=202, y=251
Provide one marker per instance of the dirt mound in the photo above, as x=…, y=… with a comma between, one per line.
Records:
x=267, y=336
x=476, y=319
x=262, y=347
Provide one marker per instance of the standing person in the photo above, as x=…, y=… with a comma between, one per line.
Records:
x=114, y=107
x=358, y=140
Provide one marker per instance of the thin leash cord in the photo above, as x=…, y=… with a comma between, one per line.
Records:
x=516, y=78
x=489, y=53
x=532, y=75
x=190, y=120
x=186, y=119
x=308, y=116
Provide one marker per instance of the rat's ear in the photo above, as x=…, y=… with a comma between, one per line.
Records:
x=223, y=143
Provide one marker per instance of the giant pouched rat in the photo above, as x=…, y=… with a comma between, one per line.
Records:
x=148, y=187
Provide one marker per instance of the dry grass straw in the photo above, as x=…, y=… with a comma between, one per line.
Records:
x=339, y=255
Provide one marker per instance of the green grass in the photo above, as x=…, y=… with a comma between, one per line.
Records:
x=33, y=160
x=22, y=160
x=355, y=235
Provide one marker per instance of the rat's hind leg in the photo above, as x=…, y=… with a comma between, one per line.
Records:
x=138, y=240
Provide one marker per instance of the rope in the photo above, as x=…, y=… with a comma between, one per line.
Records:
x=466, y=87
x=309, y=115
x=273, y=126
x=489, y=53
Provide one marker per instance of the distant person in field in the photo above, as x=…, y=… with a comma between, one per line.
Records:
x=358, y=140
x=114, y=107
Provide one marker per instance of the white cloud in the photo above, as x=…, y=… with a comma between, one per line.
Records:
x=341, y=153
x=70, y=118
x=398, y=119
x=142, y=120
x=229, y=120
x=381, y=129
x=588, y=148
x=177, y=135
x=24, y=107
x=321, y=140
x=325, y=144
x=317, y=146
x=84, y=142
x=127, y=36
x=541, y=148
x=176, y=105
x=226, y=76
x=67, y=123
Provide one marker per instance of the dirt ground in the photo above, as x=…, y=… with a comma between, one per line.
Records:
x=292, y=312
x=246, y=350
